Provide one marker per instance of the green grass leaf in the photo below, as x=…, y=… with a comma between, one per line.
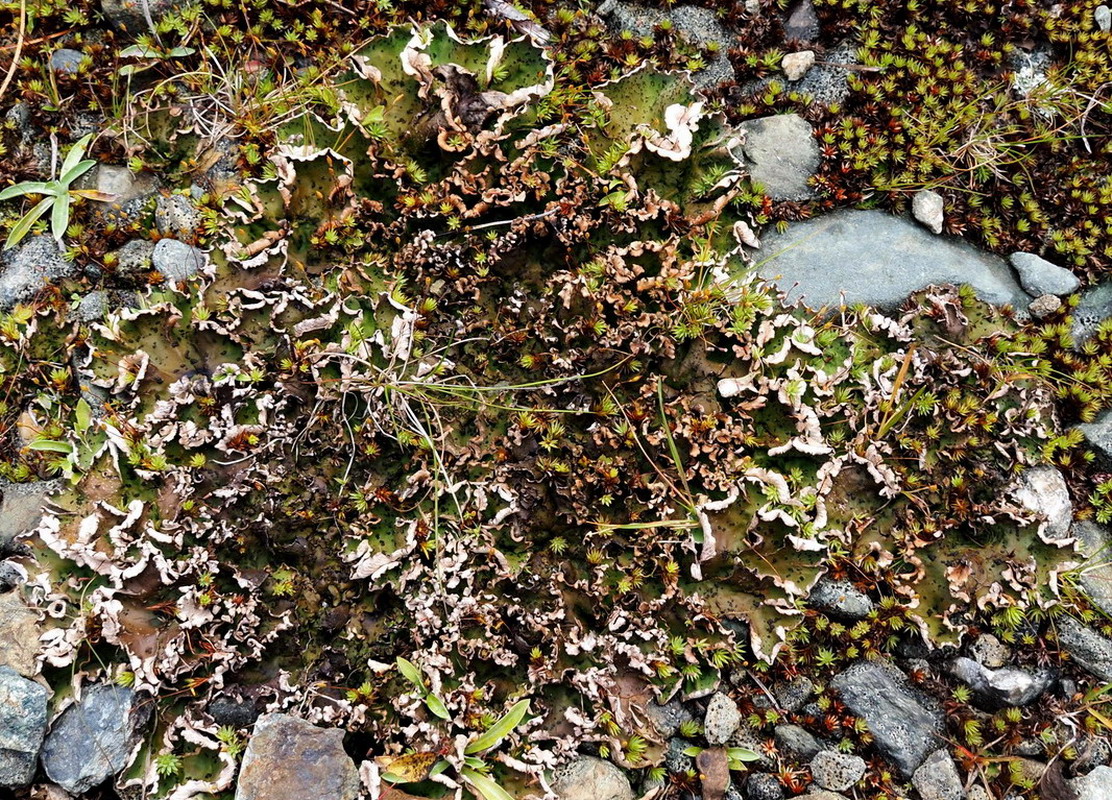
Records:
x=500, y=729
x=436, y=706
x=410, y=672
x=485, y=786
x=21, y=228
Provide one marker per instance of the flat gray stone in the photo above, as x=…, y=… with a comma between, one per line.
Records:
x=1097, y=785
x=990, y=651
x=1094, y=308
x=92, y=307
x=1043, y=491
x=875, y=258
x=840, y=599
x=1098, y=434
x=1007, y=686
x=590, y=778
x=668, y=718
x=30, y=267
x=134, y=257
x=938, y=778
x=93, y=739
x=19, y=635
x=289, y=757
x=802, y=22
x=1038, y=276
x=22, y=727
x=1088, y=648
x=175, y=215
x=928, y=208
x=782, y=155
x=795, y=742
x=22, y=507
x=905, y=726
x=837, y=771
x=1095, y=544
x=177, y=261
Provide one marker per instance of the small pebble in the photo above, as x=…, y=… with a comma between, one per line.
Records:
x=796, y=65
x=837, y=771
x=927, y=208
x=1103, y=18
x=721, y=720
x=1044, y=306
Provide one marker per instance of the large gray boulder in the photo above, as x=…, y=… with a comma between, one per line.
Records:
x=29, y=267
x=590, y=778
x=95, y=738
x=289, y=757
x=875, y=258
x=782, y=155
x=22, y=727
x=906, y=727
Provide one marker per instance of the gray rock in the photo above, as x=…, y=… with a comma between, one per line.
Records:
x=782, y=155
x=796, y=65
x=1038, y=276
x=938, y=779
x=1098, y=434
x=1044, y=305
x=1092, y=753
x=928, y=209
x=1095, y=544
x=19, y=635
x=795, y=742
x=28, y=268
x=792, y=696
x=1088, y=648
x=840, y=599
x=129, y=15
x=875, y=258
x=12, y=574
x=821, y=794
x=130, y=192
x=721, y=720
x=135, y=257
x=1094, y=307
x=226, y=710
x=94, y=739
x=802, y=22
x=988, y=650
x=175, y=215
x=1029, y=69
x=828, y=81
x=837, y=771
x=589, y=778
x=177, y=261
x=22, y=727
x=1097, y=785
x=1008, y=686
x=762, y=786
x=66, y=61
x=668, y=718
x=92, y=307
x=750, y=739
x=978, y=792
x=289, y=757
x=675, y=760
x=22, y=507
x=697, y=24
x=1043, y=491
x=1102, y=16
x=905, y=727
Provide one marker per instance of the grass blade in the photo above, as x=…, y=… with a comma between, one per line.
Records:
x=500, y=729
x=20, y=229
x=484, y=785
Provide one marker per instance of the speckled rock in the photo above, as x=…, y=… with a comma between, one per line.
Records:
x=762, y=786
x=92, y=307
x=721, y=720
x=938, y=779
x=19, y=635
x=176, y=215
x=1097, y=785
x=28, y=268
x=675, y=759
x=837, y=771
x=668, y=718
x=289, y=757
x=94, y=738
x=1043, y=491
x=840, y=599
x=796, y=65
x=1007, y=686
x=1089, y=649
x=134, y=257
x=905, y=725
x=590, y=778
x=1094, y=307
x=1038, y=276
x=1044, y=305
x=66, y=61
x=782, y=155
x=1098, y=434
x=794, y=695
x=1095, y=575
x=22, y=727
x=130, y=192
x=988, y=650
x=750, y=739
x=177, y=261
x=22, y=507
x=928, y=209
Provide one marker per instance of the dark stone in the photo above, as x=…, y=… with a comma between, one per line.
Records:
x=232, y=712
x=762, y=786
x=94, y=738
x=289, y=757
x=794, y=742
x=802, y=22
x=840, y=599
x=1088, y=648
x=22, y=727
x=1007, y=686
x=905, y=726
